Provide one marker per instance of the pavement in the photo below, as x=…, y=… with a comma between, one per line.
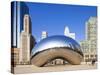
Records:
x=22, y=69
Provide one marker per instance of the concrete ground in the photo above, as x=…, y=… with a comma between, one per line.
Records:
x=19, y=69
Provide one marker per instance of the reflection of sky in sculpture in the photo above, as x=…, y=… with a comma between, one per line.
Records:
x=56, y=41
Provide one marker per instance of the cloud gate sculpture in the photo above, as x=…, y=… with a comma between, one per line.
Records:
x=56, y=47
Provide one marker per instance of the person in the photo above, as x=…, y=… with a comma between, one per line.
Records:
x=93, y=61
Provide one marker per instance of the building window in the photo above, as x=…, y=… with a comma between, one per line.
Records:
x=92, y=55
x=86, y=55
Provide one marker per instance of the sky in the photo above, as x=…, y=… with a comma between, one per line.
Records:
x=54, y=17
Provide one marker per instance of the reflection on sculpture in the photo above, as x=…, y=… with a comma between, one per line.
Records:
x=56, y=47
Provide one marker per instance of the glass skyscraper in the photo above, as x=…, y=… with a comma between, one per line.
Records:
x=18, y=10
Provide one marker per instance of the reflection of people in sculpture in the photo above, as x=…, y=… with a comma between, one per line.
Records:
x=56, y=49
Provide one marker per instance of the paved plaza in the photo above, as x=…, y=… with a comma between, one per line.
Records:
x=34, y=69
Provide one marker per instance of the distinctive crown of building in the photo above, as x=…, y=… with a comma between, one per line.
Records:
x=26, y=23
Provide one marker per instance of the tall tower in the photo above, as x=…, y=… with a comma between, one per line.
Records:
x=91, y=32
x=25, y=42
x=89, y=45
x=44, y=34
x=18, y=9
x=91, y=28
x=67, y=33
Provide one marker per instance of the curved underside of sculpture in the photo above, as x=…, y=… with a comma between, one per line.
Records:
x=42, y=58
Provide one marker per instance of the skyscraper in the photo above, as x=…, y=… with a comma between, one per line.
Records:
x=89, y=45
x=44, y=34
x=67, y=33
x=91, y=32
x=25, y=42
x=91, y=29
x=18, y=9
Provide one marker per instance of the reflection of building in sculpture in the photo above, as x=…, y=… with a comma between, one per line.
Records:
x=25, y=42
x=67, y=33
x=44, y=34
x=56, y=50
x=56, y=61
x=89, y=45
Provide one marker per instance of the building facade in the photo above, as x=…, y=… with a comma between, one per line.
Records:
x=89, y=55
x=89, y=45
x=67, y=33
x=18, y=9
x=86, y=46
x=25, y=42
x=14, y=56
x=91, y=32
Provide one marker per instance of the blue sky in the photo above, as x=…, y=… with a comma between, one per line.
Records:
x=54, y=17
